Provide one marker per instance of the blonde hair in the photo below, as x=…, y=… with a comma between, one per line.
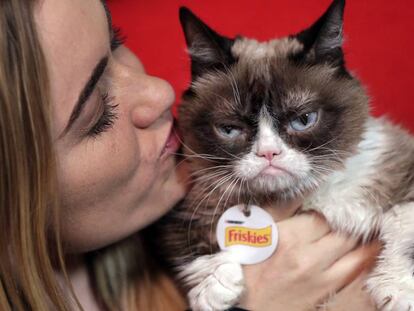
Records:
x=29, y=228
x=27, y=167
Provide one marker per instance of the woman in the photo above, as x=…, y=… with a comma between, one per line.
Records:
x=87, y=161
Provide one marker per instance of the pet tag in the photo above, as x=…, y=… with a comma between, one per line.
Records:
x=252, y=238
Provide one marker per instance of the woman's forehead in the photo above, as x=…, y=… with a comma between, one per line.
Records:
x=74, y=35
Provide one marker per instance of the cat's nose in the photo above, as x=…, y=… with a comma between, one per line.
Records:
x=269, y=154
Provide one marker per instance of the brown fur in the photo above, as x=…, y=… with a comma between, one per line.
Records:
x=234, y=81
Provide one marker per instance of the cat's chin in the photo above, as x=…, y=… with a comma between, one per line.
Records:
x=268, y=183
x=282, y=186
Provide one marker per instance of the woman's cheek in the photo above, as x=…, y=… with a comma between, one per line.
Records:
x=97, y=168
x=105, y=161
x=97, y=183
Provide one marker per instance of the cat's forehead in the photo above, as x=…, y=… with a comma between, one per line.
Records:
x=264, y=73
x=247, y=50
x=267, y=63
x=263, y=61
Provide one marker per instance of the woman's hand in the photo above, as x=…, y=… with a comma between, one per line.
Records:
x=310, y=263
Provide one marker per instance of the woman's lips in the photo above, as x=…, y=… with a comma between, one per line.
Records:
x=172, y=144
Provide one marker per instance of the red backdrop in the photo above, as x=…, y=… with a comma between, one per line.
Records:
x=379, y=37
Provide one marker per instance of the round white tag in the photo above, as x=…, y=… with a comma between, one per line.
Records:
x=252, y=239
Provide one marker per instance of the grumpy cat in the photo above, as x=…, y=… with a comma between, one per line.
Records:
x=278, y=121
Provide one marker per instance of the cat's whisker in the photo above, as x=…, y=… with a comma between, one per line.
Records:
x=234, y=86
x=204, y=170
x=207, y=178
x=230, y=186
x=323, y=145
x=210, y=158
x=321, y=169
x=325, y=157
x=223, y=181
x=319, y=179
x=334, y=154
x=207, y=188
x=182, y=161
x=194, y=153
x=229, y=153
x=218, y=175
x=330, y=157
x=321, y=163
x=220, y=182
x=203, y=180
x=200, y=155
x=207, y=174
x=325, y=162
x=237, y=181
x=240, y=187
x=211, y=168
x=330, y=150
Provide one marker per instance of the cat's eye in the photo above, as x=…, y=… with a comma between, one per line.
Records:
x=229, y=131
x=304, y=121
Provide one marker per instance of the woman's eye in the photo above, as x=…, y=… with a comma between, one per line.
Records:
x=229, y=131
x=108, y=117
x=117, y=38
x=304, y=121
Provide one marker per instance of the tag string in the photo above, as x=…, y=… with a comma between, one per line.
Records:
x=246, y=209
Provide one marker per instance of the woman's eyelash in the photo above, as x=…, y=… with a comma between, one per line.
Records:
x=118, y=38
x=108, y=117
x=106, y=121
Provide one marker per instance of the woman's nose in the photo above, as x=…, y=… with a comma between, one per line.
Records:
x=154, y=99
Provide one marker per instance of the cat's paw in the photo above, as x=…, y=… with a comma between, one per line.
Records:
x=392, y=296
x=216, y=282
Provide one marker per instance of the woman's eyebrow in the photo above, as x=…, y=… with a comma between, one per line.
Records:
x=86, y=92
x=108, y=16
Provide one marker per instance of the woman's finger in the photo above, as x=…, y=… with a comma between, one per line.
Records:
x=361, y=300
x=303, y=228
x=333, y=246
x=346, y=269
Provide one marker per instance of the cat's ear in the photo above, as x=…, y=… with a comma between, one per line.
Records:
x=208, y=49
x=323, y=40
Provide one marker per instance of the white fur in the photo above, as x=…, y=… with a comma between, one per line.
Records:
x=345, y=204
x=251, y=165
x=342, y=199
x=216, y=282
x=392, y=283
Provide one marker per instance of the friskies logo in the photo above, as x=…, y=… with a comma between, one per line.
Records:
x=261, y=237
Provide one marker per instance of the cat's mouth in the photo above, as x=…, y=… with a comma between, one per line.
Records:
x=274, y=170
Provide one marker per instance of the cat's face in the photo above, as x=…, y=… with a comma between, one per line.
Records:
x=272, y=117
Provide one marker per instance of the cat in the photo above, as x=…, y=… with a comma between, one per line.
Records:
x=279, y=120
